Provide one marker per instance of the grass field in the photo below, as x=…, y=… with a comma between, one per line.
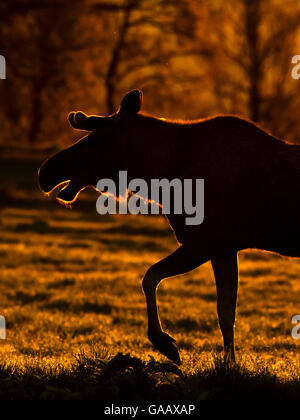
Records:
x=76, y=316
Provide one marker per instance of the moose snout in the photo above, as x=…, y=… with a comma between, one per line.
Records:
x=49, y=178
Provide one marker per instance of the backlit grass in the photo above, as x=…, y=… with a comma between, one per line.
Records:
x=76, y=315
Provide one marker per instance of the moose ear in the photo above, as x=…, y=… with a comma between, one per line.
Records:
x=77, y=120
x=80, y=121
x=132, y=102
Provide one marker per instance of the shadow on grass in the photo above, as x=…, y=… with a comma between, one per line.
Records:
x=40, y=226
x=63, y=305
x=96, y=376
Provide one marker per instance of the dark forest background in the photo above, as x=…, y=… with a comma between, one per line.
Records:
x=192, y=58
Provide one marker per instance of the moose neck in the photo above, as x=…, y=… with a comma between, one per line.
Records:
x=155, y=143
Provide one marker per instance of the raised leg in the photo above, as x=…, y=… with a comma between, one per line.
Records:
x=226, y=275
x=182, y=260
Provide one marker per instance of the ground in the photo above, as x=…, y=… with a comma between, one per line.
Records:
x=76, y=316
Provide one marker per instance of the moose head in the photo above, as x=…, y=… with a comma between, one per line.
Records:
x=85, y=162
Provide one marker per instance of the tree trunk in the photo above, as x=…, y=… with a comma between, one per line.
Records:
x=110, y=79
x=36, y=114
x=252, y=21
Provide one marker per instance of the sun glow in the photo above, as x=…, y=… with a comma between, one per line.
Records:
x=62, y=186
x=69, y=203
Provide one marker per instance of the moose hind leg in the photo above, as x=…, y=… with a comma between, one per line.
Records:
x=226, y=275
x=182, y=260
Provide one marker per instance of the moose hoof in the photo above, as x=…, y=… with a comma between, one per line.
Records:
x=165, y=345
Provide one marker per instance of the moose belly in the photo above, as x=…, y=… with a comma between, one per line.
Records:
x=281, y=238
x=284, y=243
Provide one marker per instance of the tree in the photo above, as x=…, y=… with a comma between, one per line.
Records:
x=254, y=43
x=149, y=37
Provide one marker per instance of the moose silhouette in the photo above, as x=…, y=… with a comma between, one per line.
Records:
x=251, y=195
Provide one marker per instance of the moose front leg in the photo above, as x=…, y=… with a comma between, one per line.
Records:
x=182, y=260
x=226, y=275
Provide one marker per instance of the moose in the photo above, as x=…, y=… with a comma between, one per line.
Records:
x=252, y=190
